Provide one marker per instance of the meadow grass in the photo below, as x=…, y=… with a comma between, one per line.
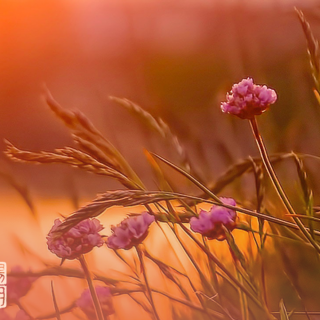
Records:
x=259, y=261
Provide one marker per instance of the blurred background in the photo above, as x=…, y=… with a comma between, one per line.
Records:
x=176, y=59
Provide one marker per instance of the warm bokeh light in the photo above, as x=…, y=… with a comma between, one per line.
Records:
x=176, y=59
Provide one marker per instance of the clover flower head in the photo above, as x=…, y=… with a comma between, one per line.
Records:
x=80, y=239
x=17, y=287
x=130, y=232
x=85, y=302
x=209, y=223
x=247, y=99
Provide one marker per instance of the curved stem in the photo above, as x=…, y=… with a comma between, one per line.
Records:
x=93, y=293
x=277, y=185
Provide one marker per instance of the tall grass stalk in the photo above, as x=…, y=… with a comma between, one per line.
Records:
x=93, y=293
x=144, y=272
x=276, y=183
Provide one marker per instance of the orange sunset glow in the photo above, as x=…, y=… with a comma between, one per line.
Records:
x=177, y=142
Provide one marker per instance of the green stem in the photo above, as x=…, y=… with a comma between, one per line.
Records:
x=93, y=293
x=150, y=298
x=277, y=185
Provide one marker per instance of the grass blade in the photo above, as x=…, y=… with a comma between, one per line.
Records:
x=56, y=308
x=144, y=272
x=190, y=177
x=283, y=311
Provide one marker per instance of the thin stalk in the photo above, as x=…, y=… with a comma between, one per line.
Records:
x=206, y=284
x=301, y=313
x=150, y=298
x=58, y=271
x=273, y=235
x=298, y=224
x=212, y=269
x=56, y=308
x=185, y=271
x=213, y=272
x=202, y=277
x=53, y=314
x=226, y=271
x=243, y=210
x=174, y=251
x=190, y=177
x=123, y=260
x=219, y=264
x=23, y=309
x=243, y=299
x=188, y=253
x=93, y=293
x=302, y=216
x=263, y=283
x=215, y=314
x=277, y=185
